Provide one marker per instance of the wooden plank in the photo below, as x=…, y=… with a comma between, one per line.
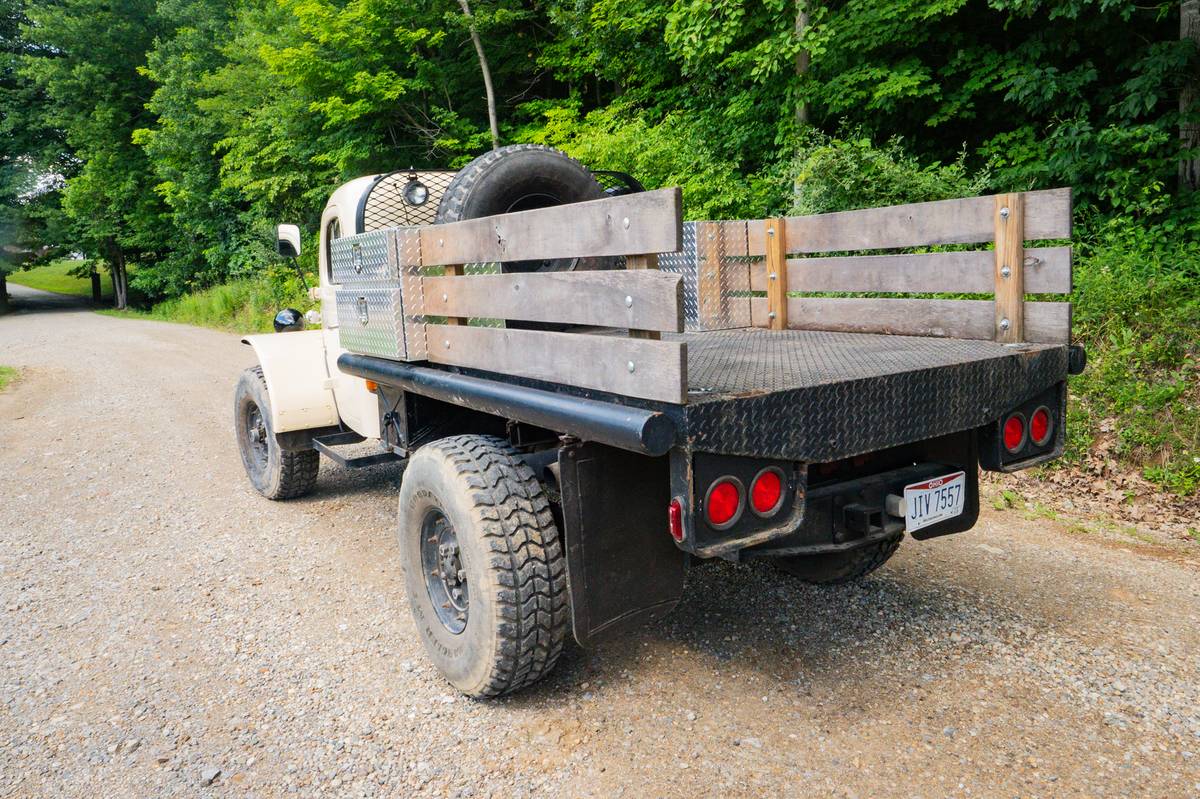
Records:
x=1047, y=271
x=734, y=238
x=1045, y=322
x=641, y=300
x=735, y=275
x=647, y=261
x=631, y=224
x=964, y=221
x=723, y=276
x=1010, y=268
x=708, y=276
x=777, y=286
x=653, y=370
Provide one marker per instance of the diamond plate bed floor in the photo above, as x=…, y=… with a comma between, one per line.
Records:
x=735, y=363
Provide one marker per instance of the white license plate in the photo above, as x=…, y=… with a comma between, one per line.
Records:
x=934, y=500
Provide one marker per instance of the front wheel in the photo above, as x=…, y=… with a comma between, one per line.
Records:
x=483, y=565
x=274, y=472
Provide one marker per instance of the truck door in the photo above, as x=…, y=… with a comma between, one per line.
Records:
x=357, y=407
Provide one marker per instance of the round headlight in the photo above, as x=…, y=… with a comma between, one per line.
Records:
x=416, y=193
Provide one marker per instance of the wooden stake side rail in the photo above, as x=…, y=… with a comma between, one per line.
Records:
x=1047, y=271
x=639, y=299
x=1045, y=322
x=653, y=370
x=642, y=300
x=1008, y=271
x=965, y=221
x=632, y=224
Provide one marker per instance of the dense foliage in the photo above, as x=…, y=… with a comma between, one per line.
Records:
x=181, y=129
x=170, y=135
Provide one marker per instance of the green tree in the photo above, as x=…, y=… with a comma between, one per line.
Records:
x=23, y=142
x=210, y=234
x=85, y=58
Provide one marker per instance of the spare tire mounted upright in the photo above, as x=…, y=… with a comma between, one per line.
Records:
x=522, y=177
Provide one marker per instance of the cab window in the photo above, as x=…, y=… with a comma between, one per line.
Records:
x=333, y=231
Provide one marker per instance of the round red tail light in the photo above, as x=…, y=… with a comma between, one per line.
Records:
x=723, y=504
x=1014, y=432
x=766, y=492
x=1039, y=427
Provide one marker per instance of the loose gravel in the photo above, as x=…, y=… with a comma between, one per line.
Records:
x=165, y=631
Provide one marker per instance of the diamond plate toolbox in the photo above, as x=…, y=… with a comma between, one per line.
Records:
x=371, y=320
x=379, y=299
x=365, y=258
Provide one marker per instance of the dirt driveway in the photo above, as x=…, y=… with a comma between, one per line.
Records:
x=159, y=621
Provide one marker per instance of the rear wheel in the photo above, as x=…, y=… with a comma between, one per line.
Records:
x=832, y=568
x=274, y=472
x=483, y=565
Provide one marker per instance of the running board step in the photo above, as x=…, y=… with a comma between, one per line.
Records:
x=325, y=445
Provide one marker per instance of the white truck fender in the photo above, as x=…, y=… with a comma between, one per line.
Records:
x=297, y=381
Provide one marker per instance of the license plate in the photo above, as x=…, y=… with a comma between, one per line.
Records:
x=934, y=500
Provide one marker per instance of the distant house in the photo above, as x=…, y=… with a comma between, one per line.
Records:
x=19, y=256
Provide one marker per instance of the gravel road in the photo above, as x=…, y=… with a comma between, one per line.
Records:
x=164, y=631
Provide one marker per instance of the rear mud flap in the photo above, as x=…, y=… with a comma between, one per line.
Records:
x=623, y=569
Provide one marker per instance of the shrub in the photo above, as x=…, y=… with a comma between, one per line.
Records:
x=246, y=306
x=1137, y=311
x=839, y=174
x=673, y=151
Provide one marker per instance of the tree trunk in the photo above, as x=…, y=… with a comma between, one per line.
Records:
x=802, y=61
x=1189, y=125
x=120, y=282
x=487, y=74
x=97, y=295
x=3, y=291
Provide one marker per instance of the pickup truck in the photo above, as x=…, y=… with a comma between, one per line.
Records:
x=589, y=395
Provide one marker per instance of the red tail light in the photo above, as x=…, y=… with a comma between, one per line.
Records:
x=1014, y=433
x=675, y=519
x=723, y=504
x=766, y=492
x=1039, y=427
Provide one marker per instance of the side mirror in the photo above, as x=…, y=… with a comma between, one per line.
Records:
x=287, y=241
x=287, y=320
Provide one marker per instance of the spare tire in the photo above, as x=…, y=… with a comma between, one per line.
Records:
x=522, y=177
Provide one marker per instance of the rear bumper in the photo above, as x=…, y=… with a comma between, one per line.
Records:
x=827, y=507
x=851, y=514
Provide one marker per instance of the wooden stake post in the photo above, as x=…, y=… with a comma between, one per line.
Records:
x=1010, y=268
x=454, y=270
x=649, y=261
x=777, y=304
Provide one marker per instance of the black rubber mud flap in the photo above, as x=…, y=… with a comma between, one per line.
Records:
x=623, y=569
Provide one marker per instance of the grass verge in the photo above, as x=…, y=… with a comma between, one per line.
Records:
x=8, y=376
x=1137, y=311
x=241, y=306
x=57, y=277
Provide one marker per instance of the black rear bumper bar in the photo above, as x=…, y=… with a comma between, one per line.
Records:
x=621, y=426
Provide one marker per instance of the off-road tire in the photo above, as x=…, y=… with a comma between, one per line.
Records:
x=833, y=568
x=521, y=177
x=511, y=554
x=282, y=474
